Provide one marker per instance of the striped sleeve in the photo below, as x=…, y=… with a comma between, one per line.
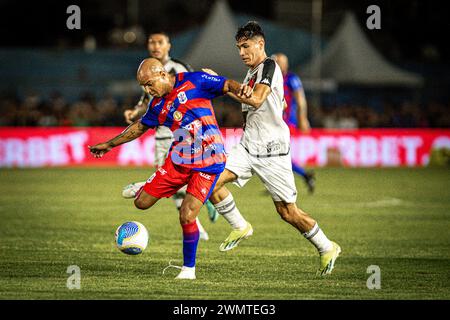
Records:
x=267, y=72
x=149, y=119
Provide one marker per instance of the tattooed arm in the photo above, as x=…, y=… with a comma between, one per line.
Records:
x=133, y=131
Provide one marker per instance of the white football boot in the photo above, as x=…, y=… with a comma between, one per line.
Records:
x=130, y=191
x=186, y=273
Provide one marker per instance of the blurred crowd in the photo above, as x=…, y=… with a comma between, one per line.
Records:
x=33, y=110
x=404, y=115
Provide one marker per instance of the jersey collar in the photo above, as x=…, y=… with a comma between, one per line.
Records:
x=256, y=67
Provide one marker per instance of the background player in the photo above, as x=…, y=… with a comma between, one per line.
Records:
x=197, y=155
x=296, y=112
x=264, y=150
x=159, y=46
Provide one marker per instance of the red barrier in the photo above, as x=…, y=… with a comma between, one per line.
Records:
x=39, y=147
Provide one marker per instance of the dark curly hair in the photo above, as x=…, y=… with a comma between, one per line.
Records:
x=250, y=30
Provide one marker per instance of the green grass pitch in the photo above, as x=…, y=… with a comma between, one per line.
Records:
x=397, y=219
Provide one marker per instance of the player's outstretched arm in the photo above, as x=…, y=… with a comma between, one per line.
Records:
x=133, y=131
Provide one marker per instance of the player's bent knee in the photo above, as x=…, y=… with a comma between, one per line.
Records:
x=187, y=215
x=141, y=204
x=217, y=195
x=144, y=200
x=189, y=209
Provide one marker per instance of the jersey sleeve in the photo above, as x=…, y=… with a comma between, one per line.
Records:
x=211, y=84
x=294, y=83
x=268, y=72
x=149, y=118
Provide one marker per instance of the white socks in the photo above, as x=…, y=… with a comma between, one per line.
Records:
x=227, y=208
x=201, y=230
x=318, y=239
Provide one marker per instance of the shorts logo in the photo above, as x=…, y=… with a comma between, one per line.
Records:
x=182, y=97
x=177, y=115
x=206, y=176
x=265, y=81
x=162, y=171
x=204, y=191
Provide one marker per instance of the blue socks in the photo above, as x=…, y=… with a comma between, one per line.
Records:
x=191, y=235
x=298, y=170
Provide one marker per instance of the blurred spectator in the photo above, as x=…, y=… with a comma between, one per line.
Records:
x=106, y=110
x=329, y=119
x=83, y=113
x=30, y=110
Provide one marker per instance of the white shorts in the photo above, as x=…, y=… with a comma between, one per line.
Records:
x=275, y=172
x=161, y=149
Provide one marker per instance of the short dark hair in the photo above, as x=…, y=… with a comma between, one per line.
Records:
x=250, y=30
x=159, y=32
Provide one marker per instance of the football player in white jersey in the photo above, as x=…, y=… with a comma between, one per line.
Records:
x=158, y=46
x=264, y=150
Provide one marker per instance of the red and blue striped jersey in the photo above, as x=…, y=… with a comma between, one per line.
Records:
x=187, y=110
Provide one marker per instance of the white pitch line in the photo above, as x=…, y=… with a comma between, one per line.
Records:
x=390, y=202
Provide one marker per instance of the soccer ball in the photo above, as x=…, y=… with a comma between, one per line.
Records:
x=131, y=237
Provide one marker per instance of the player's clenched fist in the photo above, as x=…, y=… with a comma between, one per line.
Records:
x=129, y=115
x=100, y=149
x=245, y=92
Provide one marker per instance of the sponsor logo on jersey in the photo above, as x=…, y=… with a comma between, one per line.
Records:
x=273, y=146
x=182, y=97
x=177, y=115
x=196, y=124
x=210, y=77
x=206, y=176
x=167, y=108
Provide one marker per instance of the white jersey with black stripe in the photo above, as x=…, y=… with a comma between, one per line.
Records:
x=172, y=66
x=266, y=133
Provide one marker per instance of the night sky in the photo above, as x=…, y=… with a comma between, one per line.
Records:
x=413, y=31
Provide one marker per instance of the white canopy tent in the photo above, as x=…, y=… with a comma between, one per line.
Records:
x=215, y=46
x=350, y=58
